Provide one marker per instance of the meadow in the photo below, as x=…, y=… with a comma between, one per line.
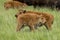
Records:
x=8, y=25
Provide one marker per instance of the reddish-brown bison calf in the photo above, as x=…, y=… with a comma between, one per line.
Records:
x=14, y=4
x=48, y=17
x=32, y=20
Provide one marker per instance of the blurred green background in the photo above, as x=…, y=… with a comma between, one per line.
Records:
x=8, y=25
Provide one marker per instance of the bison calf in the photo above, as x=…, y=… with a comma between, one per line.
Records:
x=48, y=17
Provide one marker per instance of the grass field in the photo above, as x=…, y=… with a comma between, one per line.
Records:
x=8, y=26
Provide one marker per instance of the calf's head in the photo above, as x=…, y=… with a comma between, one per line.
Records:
x=20, y=12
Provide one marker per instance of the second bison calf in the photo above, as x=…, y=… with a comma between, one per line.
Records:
x=13, y=4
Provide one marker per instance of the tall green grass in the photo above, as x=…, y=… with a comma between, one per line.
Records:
x=8, y=26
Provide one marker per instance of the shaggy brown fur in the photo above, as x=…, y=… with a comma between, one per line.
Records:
x=14, y=4
x=29, y=19
x=49, y=18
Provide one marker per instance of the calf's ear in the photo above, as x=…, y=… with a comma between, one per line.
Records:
x=16, y=16
x=24, y=11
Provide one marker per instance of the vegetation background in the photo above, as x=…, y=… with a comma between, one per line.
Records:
x=8, y=25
